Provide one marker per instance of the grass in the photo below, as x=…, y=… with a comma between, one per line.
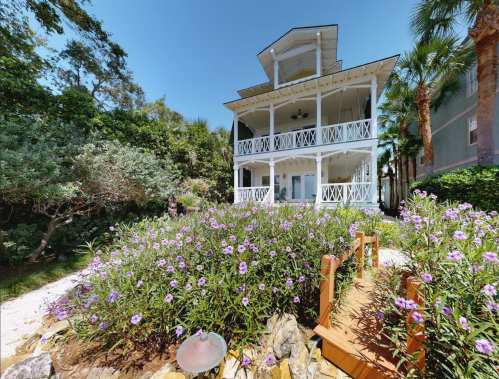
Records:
x=21, y=284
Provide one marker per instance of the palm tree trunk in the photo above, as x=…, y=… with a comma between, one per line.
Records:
x=395, y=163
x=413, y=161
x=406, y=168
x=400, y=180
x=392, y=192
x=422, y=99
x=379, y=189
x=486, y=51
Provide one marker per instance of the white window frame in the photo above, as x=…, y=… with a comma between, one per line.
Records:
x=421, y=157
x=470, y=121
x=472, y=80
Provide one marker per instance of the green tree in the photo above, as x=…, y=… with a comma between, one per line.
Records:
x=389, y=139
x=437, y=18
x=408, y=148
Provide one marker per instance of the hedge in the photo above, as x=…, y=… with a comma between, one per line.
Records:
x=477, y=185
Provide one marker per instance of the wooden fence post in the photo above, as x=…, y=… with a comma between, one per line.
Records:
x=328, y=268
x=360, y=254
x=414, y=292
x=375, y=252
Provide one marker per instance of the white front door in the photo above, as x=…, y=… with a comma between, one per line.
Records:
x=302, y=187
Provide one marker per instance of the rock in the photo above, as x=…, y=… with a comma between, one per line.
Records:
x=163, y=371
x=232, y=366
x=52, y=343
x=270, y=372
x=28, y=346
x=342, y=375
x=146, y=375
x=326, y=370
x=56, y=376
x=174, y=375
x=62, y=258
x=103, y=373
x=54, y=327
x=298, y=360
x=39, y=367
x=9, y=361
x=285, y=373
x=316, y=354
x=188, y=375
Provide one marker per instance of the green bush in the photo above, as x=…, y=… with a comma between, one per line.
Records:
x=477, y=185
x=225, y=269
x=454, y=252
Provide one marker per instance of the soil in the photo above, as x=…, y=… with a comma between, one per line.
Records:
x=132, y=364
x=26, y=268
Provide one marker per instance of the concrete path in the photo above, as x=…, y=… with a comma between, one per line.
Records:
x=24, y=315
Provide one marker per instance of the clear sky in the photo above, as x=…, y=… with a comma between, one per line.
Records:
x=199, y=53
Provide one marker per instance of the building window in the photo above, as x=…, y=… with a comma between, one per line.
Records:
x=277, y=183
x=421, y=157
x=472, y=81
x=472, y=131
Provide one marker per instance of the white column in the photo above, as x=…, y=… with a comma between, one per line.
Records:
x=271, y=164
x=363, y=171
x=236, y=184
x=318, y=196
x=241, y=173
x=236, y=133
x=271, y=135
x=374, y=109
x=319, y=55
x=373, y=171
x=276, y=74
x=318, y=133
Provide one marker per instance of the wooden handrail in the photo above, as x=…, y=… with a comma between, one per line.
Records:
x=415, y=335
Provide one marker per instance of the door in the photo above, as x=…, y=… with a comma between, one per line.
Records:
x=303, y=187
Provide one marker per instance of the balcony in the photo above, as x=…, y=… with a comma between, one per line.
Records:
x=346, y=192
x=331, y=134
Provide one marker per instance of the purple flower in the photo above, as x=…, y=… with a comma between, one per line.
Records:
x=245, y=362
x=103, y=325
x=493, y=213
x=484, y=346
x=269, y=359
x=288, y=249
x=245, y=301
x=168, y=298
x=275, y=289
x=173, y=283
x=62, y=315
x=111, y=228
x=289, y=282
x=199, y=268
x=232, y=238
x=293, y=255
x=272, y=253
x=464, y=322
x=489, y=256
x=136, y=319
x=241, y=248
x=129, y=274
x=416, y=316
x=199, y=332
x=400, y=302
x=43, y=340
x=243, y=268
x=201, y=281
x=301, y=279
x=94, y=318
x=261, y=287
x=180, y=258
x=489, y=290
x=181, y=265
x=379, y=315
x=179, y=330
x=410, y=304
x=188, y=286
x=311, y=235
x=460, y=236
x=296, y=299
x=427, y=277
x=262, y=344
x=203, y=292
x=446, y=311
x=455, y=256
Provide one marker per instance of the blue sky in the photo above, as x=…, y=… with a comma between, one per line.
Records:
x=199, y=53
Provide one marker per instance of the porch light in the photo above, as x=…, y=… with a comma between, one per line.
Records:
x=284, y=176
x=299, y=115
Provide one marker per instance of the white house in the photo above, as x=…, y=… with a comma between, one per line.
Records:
x=310, y=133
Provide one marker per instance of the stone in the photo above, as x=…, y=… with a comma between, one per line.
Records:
x=104, y=373
x=54, y=327
x=56, y=376
x=39, y=367
x=342, y=375
x=163, y=371
x=232, y=366
x=285, y=373
x=9, y=361
x=62, y=258
x=326, y=370
x=28, y=346
x=271, y=372
x=146, y=375
x=174, y=375
x=52, y=343
x=298, y=360
x=316, y=354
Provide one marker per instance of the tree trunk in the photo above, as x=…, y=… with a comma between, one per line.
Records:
x=5, y=251
x=395, y=163
x=422, y=99
x=172, y=206
x=392, y=192
x=51, y=229
x=406, y=168
x=400, y=180
x=413, y=161
x=486, y=51
x=379, y=189
x=403, y=128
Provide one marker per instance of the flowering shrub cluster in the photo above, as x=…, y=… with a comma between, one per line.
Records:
x=453, y=251
x=224, y=269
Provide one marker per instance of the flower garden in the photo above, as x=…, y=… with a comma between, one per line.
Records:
x=229, y=268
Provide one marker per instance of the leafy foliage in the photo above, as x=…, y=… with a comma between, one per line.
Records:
x=478, y=185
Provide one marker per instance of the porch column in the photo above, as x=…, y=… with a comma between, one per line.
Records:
x=363, y=171
x=241, y=174
x=236, y=133
x=318, y=196
x=271, y=135
x=318, y=125
x=373, y=170
x=374, y=109
x=236, y=184
x=271, y=164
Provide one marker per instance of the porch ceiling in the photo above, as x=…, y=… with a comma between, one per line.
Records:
x=342, y=166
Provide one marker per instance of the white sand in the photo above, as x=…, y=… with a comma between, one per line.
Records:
x=24, y=315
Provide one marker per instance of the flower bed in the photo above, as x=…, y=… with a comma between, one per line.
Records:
x=225, y=269
x=452, y=255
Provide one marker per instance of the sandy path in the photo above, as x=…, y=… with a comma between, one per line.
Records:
x=23, y=315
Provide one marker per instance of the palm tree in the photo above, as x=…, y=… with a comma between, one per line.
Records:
x=436, y=17
x=383, y=160
x=409, y=149
x=429, y=66
x=389, y=139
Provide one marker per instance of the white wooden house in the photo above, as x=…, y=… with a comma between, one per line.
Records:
x=310, y=133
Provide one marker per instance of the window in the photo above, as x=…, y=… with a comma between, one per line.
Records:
x=472, y=81
x=472, y=131
x=421, y=157
x=277, y=183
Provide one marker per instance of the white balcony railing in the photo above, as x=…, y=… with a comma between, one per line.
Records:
x=257, y=194
x=343, y=192
x=339, y=133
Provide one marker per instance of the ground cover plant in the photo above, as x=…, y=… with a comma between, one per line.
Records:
x=224, y=268
x=453, y=250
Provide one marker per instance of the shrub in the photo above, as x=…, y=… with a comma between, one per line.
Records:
x=454, y=251
x=477, y=185
x=224, y=269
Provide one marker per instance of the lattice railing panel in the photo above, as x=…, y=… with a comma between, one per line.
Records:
x=354, y=192
x=257, y=194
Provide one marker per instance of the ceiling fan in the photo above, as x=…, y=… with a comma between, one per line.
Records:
x=299, y=115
